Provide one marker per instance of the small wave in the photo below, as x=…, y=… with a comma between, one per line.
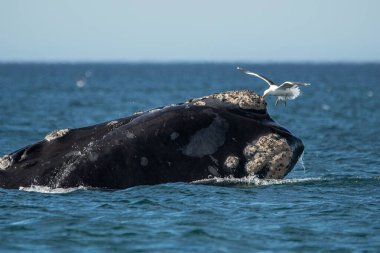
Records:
x=46, y=189
x=253, y=180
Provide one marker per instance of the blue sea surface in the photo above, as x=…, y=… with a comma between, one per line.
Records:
x=329, y=202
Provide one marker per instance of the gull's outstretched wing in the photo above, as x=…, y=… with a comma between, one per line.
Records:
x=257, y=75
x=288, y=84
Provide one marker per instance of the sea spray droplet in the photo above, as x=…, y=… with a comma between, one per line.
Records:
x=81, y=83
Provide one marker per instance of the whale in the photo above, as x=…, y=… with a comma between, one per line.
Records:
x=226, y=134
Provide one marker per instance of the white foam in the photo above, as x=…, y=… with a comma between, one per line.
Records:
x=46, y=189
x=253, y=180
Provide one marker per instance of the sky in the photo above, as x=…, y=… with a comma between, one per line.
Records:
x=194, y=31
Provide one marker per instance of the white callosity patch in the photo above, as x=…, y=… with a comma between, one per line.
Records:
x=174, y=136
x=231, y=163
x=56, y=134
x=5, y=162
x=144, y=161
x=207, y=140
x=244, y=99
x=269, y=151
x=200, y=103
x=112, y=123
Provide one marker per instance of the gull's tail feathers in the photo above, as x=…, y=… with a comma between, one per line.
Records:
x=293, y=92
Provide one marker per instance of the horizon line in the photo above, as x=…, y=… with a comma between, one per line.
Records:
x=187, y=62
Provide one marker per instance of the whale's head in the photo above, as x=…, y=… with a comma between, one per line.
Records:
x=267, y=150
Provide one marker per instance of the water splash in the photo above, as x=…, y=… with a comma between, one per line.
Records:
x=46, y=189
x=254, y=180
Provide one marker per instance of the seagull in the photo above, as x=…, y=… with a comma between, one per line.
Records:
x=287, y=90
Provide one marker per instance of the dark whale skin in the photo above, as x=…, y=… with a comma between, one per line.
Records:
x=177, y=143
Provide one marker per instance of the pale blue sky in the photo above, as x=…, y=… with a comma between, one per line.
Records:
x=170, y=30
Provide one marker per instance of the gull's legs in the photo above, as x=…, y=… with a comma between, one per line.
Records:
x=286, y=97
x=277, y=101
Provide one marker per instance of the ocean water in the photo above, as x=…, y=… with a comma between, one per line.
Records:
x=329, y=202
